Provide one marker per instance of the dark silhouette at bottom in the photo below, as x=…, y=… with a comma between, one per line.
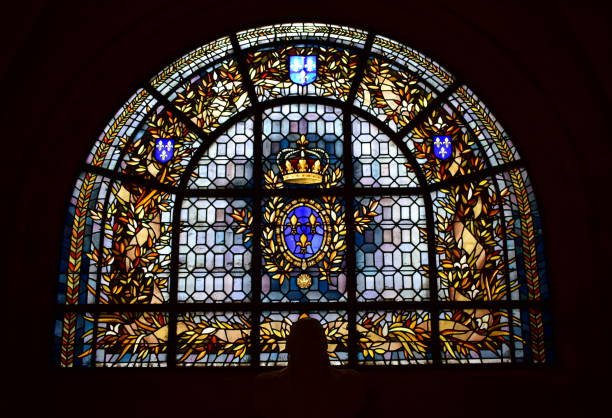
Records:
x=309, y=386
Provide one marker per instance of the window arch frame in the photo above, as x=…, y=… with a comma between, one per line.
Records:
x=349, y=109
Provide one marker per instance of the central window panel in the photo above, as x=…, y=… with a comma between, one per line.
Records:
x=311, y=193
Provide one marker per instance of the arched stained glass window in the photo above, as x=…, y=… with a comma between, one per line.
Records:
x=302, y=169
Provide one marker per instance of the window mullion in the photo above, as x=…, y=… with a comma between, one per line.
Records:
x=174, y=271
x=347, y=154
x=256, y=239
x=433, y=279
x=243, y=69
x=433, y=105
x=351, y=277
x=360, y=71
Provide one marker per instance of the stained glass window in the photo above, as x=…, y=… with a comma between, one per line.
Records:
x=302, y=170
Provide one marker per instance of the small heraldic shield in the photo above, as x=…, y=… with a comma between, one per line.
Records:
x=164, y=150
x=303, y=69
x=443, y=147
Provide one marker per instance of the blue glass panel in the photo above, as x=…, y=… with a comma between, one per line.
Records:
x=303, y=69
x=164, y=150
x=303, y=231
x=442, y=147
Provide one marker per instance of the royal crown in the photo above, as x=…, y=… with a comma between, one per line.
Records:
x=302, y=165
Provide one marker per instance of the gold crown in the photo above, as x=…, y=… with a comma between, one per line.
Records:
x=301, y=165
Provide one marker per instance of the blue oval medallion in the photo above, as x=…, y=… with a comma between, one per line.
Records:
x=303, y=231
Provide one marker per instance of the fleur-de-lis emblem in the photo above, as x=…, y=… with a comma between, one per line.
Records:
x=303, y=69
x=303, y=243
x=442, y=147
x=312, y=223
x=164, y=150
x=293, y=223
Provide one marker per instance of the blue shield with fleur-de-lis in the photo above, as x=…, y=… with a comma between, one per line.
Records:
x=303, y=69
x=164, y=149
x=442, y=146
x=303, y=231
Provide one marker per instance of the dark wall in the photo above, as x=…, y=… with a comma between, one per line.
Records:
x=541, y=67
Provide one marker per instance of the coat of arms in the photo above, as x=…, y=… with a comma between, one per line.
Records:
x=303, y=69
x=443, y=147
x=304, y=239
x=164, y=150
